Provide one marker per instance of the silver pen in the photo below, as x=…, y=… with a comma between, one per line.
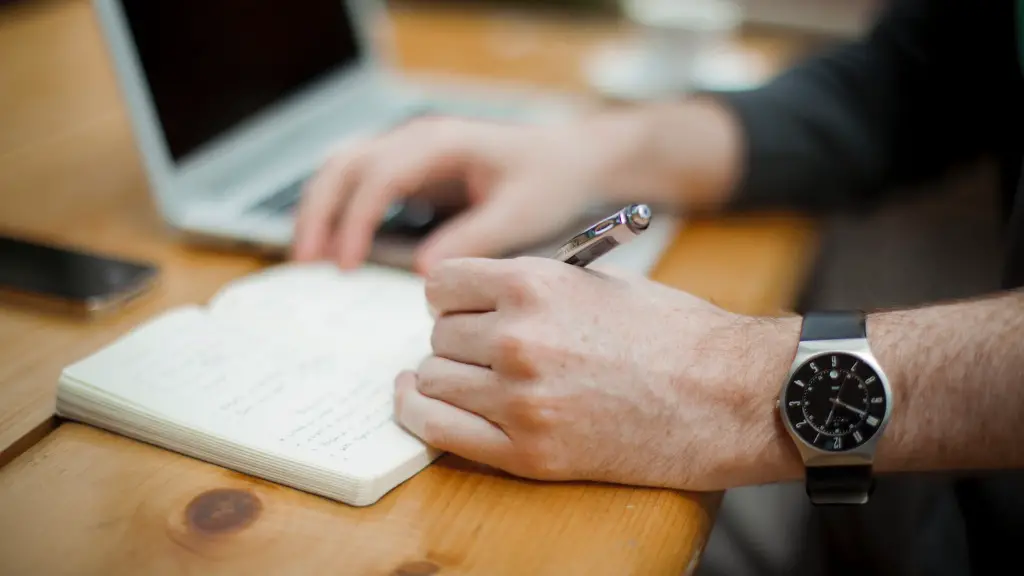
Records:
x=605, y=235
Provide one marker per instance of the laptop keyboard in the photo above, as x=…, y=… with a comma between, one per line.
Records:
x=287, y=198
x=283, y=201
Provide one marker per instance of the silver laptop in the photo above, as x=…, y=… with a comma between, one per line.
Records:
x=235, y=103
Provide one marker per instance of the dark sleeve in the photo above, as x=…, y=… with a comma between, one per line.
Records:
x=905, y=102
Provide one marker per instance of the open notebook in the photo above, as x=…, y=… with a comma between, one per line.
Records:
x=287, y=374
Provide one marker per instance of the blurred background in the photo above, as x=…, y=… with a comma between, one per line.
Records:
x=62, y=122
x=58, y=90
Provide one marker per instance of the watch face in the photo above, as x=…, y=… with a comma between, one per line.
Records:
x=835, y=402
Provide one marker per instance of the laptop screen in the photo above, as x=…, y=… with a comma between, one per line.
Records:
x=211, y=64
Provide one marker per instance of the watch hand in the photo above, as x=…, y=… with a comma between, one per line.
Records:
x=858, y=411
x=830, y=414
x=824, y=426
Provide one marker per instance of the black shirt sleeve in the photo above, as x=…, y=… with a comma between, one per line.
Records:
x=910, y=99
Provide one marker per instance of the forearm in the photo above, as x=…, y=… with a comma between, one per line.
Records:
x=957, y=373
x=840, y=129
x=687, y=153
x=957, y=377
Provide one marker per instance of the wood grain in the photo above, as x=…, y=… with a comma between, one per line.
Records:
x=83, y=501
x=124, y=507
x=54, y=76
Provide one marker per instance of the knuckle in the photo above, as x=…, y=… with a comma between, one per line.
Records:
x=513, y=354
x=532, y=411
x=522, y=287
x=530, y=280
x=524, y=352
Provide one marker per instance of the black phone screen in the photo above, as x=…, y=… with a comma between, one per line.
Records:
x=45, y=270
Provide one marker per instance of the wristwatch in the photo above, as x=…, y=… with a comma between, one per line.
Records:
x=835, y=404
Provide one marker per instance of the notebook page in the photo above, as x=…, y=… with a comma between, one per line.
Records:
x=314, y=391
x=320, y=292
x=318, y=300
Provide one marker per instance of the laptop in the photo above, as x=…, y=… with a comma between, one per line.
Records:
x=236, y=103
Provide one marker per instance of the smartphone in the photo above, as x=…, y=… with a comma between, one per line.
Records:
x=69, y=280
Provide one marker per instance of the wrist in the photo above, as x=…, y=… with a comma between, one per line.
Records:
x=887, y=336
x=763, y=447
x=672, y=153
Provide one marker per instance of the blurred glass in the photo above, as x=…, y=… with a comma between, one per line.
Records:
x=679, y=47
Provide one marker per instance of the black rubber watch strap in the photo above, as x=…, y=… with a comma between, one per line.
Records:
x=833, y=326
x=839, y=485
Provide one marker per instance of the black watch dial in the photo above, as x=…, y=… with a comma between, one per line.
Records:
x=835, y=401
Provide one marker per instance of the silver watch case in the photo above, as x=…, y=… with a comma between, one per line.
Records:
x=812, y=455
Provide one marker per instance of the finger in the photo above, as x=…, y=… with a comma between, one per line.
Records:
x=401, y=173
x=360, y=218
x=465, y=337
x=489, y=229
x=471, y=388
x=321, y=201
x=448, y=428
x=464, y=285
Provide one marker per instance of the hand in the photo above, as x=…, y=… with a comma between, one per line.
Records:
x=524, y=183
x=558, y=373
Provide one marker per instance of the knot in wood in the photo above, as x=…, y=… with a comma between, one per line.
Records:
x=222, y=510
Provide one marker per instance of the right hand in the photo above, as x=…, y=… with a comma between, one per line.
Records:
x=532, y=374
x=524, y=183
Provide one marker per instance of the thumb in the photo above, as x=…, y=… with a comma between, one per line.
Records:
x=484, y=230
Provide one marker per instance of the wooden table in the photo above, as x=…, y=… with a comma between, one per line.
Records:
x=78, y=500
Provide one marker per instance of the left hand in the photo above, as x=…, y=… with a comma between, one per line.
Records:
x=554, y=372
